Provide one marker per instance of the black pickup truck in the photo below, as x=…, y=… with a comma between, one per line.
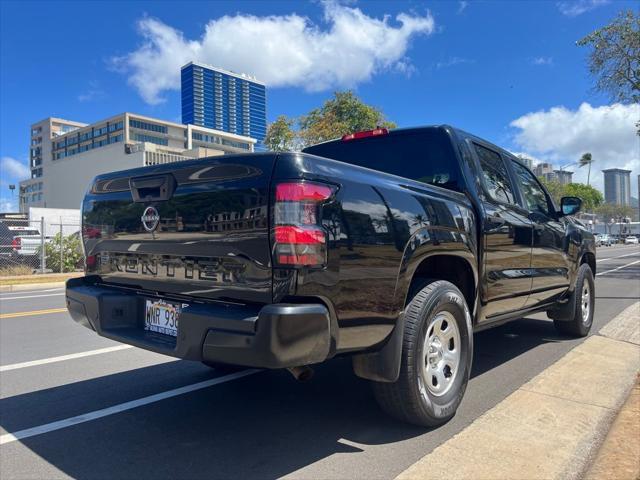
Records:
x=391, y=247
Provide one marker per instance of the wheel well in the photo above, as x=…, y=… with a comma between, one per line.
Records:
x=450, y=268
x=590, y=259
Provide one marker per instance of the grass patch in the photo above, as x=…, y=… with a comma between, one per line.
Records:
x=29, y=278
x=15, y=270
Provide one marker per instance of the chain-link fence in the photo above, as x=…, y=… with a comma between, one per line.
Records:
x=46, y=245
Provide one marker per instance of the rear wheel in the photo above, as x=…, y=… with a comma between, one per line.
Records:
x=583, y=302
x=436, y=358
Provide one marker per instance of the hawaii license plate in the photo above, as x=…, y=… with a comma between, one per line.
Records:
x=162, y=317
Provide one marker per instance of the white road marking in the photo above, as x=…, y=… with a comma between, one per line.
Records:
x=619, y=256
x=62, y=358
x=27, y=292
x=619, y=268
x=96, y=414
x=32, y=296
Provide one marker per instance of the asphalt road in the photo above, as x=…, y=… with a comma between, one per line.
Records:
x=262, y=425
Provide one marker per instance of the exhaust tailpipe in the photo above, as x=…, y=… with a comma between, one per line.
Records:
x=302, y=374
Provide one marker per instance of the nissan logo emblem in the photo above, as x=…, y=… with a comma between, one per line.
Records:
x=150, y=219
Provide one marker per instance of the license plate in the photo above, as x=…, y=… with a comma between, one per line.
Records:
x=162, y=317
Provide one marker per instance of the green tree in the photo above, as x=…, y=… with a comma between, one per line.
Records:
x=614, y=59
x=343, y=114
x=611, y=211
x=591, y=198
x=586, y=159
x=71, y=253
x=281, y=136
x=555, y=189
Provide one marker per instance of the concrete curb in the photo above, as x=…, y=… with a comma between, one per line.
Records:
x=551, y=427
x=30, y=286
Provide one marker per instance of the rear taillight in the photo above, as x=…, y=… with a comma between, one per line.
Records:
x=364, y=134
x=298, y=236
x=16, y=243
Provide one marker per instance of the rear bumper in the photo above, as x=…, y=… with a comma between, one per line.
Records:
x=271, y=336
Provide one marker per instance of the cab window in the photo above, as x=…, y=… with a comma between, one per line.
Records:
x=496, y=178
x=535, y=198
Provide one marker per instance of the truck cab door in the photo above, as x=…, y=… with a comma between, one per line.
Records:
x=550, y=256
x=507, y=232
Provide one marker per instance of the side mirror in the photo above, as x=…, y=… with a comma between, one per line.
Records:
x=570, y=205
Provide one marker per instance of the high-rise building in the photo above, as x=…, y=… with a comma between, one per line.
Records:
x=223, y=100
x=544, y=170
x=43, y=134
x=563, y=177
x=66, y=155
x=526, y=161
x=617, y=186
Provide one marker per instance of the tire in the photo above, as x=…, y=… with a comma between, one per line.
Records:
x=580, y=323
x=414, y=397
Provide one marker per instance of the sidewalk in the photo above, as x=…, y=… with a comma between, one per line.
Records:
x=553, y=426
x=16, y=283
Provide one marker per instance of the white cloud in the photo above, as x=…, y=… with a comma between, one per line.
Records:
x=453, y=61
x=542, y=61
x=462, y=6
x=573, y=8
x=14, y=169
x=286, y=50
x=8, y=205
x=561, y=136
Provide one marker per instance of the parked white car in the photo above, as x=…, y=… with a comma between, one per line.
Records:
x=26, y=241
x=630, y=240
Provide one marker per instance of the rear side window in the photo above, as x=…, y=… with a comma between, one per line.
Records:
x=533, y=194
x=496, y=178
x=425, y=156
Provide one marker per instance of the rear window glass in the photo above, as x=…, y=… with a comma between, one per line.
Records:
x=426, y=156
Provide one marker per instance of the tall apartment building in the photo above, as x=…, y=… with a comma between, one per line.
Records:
x=544, y=170
x=617, y=186
x=43, y=134
x=66, y=155
x=526, y=161
x=223, y=100
x=563, y=177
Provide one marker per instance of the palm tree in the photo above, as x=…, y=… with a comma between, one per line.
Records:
x=586, y=159
x=419, y=220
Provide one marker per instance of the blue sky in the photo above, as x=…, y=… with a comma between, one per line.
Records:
x=506, y=71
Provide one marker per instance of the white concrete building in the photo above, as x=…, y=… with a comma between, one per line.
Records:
x=66, y=155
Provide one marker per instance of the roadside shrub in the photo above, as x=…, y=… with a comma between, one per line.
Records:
x=71, y=253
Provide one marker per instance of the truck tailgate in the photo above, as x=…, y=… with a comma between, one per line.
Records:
x=196, y=228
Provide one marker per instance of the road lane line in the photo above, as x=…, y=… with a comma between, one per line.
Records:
x=619, y=268
x=62, y=358
x=25, y=292
x=32, y=296
x=619, y=256
x=122, y=407
x=32, y=312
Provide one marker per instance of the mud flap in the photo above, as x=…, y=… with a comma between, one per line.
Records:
x=382, y=365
